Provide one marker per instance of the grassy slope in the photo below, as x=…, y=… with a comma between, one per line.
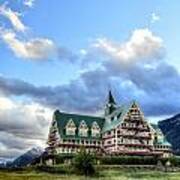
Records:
x=104, y=175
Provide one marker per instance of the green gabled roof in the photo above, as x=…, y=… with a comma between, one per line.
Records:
x=63, y=118
x=155, y=127
x=120, y=112
x=162, y=141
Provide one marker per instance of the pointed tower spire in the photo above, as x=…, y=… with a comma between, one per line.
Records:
x=110, y=105
x=111, y=98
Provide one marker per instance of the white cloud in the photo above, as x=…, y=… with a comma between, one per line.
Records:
x=23, y=46
x=29, y=3
x=5, y=103
x=154, y=17
x=37, y=48
x=143, y=44
x=22, y=126
x=13, y=17
x=19, y=118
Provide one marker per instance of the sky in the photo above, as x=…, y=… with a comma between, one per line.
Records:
x=67, y=54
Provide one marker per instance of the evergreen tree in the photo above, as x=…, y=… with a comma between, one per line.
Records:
x=83, y=163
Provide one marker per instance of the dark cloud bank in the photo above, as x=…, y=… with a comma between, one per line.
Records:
x=156, y=89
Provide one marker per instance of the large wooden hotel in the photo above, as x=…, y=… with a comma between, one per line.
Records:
x=123, y=130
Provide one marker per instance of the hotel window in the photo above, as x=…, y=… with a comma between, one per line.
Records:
x=70, y=127
x=95, y=130
x=83, y=129
x=123, y=124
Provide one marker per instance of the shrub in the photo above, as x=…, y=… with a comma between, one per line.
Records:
x=139, y=160
x=175, y=161
x=83, y=163
x=128, y=160
x=61, y=158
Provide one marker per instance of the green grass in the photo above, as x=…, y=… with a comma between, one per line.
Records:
x=108, y=174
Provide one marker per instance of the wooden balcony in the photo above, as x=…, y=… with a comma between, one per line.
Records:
x=109, y=145
x=135, y=145
x=135, y=128
x=108, y=137
x=79, y=145
x=132, y=136
x=143, y=153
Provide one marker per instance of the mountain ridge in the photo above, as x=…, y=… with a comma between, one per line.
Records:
x=171, y=129
x=27, y=158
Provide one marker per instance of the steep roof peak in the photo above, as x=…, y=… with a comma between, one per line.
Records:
x=111, y=98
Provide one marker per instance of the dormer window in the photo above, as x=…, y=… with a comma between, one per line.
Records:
x=83, y=129
x=115, y=118
x=70, y=128
x=95, y=130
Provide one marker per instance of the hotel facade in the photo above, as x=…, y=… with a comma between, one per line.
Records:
x=122, y=130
